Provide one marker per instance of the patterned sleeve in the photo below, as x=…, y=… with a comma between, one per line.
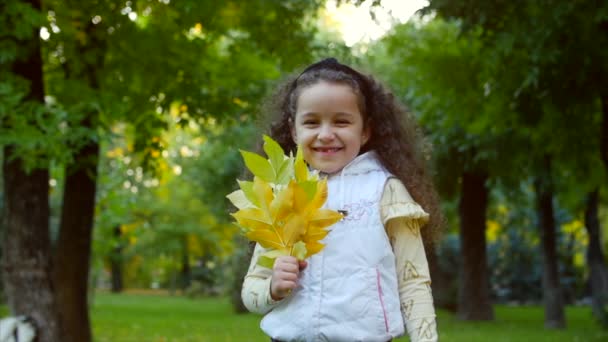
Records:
x=256, y=286
x=403, y=218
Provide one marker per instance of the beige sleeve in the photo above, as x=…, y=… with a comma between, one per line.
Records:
x=403, y=218
x=256, y=286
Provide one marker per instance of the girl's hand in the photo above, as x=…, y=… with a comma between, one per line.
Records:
x=285, y=276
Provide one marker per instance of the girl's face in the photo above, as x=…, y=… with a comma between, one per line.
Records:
x=329, y=126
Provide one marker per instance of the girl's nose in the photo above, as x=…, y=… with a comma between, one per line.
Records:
x=326, y=133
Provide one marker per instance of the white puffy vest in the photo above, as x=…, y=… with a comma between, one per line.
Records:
x=348, y=291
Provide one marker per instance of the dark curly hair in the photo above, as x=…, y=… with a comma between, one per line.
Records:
x=395, y=135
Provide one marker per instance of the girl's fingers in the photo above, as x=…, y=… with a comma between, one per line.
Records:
x=288, y=276
x=289, y=268
x=285, y=276
x=287, y=285
x=281, y=288
x=287, y=264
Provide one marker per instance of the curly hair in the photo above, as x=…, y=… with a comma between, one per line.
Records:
x=395, y=135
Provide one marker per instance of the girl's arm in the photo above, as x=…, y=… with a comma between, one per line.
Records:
x=256, y=287
x=403, y=218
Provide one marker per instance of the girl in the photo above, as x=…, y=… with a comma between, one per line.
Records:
x=372, y=277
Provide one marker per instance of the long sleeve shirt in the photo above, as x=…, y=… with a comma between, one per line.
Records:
x=402, y=218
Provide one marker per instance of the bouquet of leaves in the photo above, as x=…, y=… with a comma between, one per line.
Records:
x=281, y=208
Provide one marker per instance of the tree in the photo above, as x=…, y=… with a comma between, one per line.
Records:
x=26, y=249
x=536, y=47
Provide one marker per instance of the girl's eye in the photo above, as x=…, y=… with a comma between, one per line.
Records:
x=342, y=122
x=309, y=122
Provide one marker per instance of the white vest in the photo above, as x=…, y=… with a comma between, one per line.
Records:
x=348, y=291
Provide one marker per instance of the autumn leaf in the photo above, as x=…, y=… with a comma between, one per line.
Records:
x=282, y=208
x=301, y=170
x=259, y=166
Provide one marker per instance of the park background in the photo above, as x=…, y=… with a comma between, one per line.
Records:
x=120, y=124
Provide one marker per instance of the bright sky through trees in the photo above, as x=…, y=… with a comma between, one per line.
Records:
x=356, y=25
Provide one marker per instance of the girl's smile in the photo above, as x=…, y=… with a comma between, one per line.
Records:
x=326, y=150
x=329, y=126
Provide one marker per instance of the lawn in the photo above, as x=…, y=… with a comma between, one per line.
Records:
x=154, y=318
x=162, y=318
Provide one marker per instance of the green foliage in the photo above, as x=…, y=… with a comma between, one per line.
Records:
x=178, y=211
x=443, y=79
x=494, y=90
x=17, y=20
x=553, y=90
x=37, y=131
x=151, y=65
x=534, y=60
x=212, y=174
x=484, y=87
x=214, y=60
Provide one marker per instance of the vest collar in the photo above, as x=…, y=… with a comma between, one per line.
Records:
x=363, y=163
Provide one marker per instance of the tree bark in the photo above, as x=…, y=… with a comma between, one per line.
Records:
x=73, y=251
x=444, y=289
x=240, y=264
x=26, y=251
x=474, y=302
x=604, y=128
x=78, y=209
x=116, y=262
x=185, y=274
x=598, y=274
x=552, y=293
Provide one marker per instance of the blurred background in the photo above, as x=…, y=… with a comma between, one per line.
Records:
x=121, y=121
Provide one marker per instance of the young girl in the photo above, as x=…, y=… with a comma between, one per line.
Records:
x=372, y=276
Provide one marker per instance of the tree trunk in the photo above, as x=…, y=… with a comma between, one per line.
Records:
x=552, y=294
x=604, y=128
x=116, y=262
x=598, y=274
x=78, y=210
x=444, y=289
x=474, y=302
x=2, y=199
x=240, y=264
x=185, y=274
x=26, y=250
x=73, y=251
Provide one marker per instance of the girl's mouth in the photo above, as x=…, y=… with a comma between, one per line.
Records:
x=327, y=149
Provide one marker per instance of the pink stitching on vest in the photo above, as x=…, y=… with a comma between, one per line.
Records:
x=356, y=211
x=380, y=295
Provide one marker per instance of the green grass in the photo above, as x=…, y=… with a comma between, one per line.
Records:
x=129, y=317
x=522, y=324
x=137, y=317
x=162, y=318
